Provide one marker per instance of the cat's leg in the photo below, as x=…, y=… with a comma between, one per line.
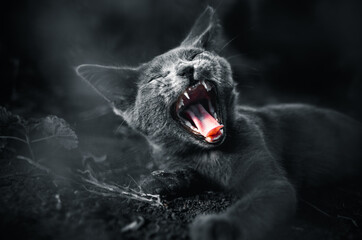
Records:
x=171, y=184
x=267, y=200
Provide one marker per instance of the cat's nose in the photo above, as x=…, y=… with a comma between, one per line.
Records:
x=186, y=71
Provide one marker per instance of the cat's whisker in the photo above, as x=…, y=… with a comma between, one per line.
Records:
x=120, y=125
x=233, y=56
x=216, y=162
x=227, y=44
x=199, y=163
x=217, y=7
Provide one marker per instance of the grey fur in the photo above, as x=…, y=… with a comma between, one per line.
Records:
x=268, y=152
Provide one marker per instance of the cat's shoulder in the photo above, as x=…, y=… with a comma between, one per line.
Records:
x=275, y=110
x=286, y=109
x=290, y=113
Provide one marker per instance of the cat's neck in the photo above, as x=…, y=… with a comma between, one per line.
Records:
x=171, y=152
x=215, y=164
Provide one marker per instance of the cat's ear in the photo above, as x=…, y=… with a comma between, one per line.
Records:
x=117, y=85
x=206, y=31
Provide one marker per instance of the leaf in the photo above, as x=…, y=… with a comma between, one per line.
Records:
x=8, y=124
x=7, y=119
x=57, y=130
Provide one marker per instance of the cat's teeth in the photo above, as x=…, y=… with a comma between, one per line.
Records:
x=192, y=127
x=207, y=86
x=204, y=84
x=212, y=111
x=180, y=104
x=187, y=95
x=195, y=129
x=210, y=140
x=188, y=124
x=222, y=132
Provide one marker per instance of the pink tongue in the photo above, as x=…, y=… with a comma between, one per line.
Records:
x=206, y=124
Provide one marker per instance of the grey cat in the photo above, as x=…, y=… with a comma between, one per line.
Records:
x=185, y=103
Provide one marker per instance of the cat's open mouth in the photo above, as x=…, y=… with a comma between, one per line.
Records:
x=198, y=112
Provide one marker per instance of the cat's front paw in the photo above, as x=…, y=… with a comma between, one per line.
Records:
x=214, y=227
x=167, y=184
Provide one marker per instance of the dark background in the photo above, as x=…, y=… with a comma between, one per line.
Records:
x=281, y=51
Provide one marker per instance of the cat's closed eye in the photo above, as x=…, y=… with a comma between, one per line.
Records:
x=158, y=76
x=191, y=56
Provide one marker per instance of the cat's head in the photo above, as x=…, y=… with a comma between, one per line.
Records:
x=183, y=97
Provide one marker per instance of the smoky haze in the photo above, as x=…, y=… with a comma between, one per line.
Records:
x=50, y=38
x=280, y=51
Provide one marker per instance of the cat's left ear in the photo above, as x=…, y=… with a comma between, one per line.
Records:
x=206, y=31
x=117, y=85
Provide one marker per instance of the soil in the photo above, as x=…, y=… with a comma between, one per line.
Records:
x=37, y=205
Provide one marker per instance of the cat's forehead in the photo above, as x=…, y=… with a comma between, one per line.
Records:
x=171, y=57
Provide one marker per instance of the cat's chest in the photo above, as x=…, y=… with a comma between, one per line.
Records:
x=215, y=165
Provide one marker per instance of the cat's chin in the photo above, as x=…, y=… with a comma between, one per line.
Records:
x=198, y=113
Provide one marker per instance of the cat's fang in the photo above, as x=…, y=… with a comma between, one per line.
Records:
x=180, y=104
x=206, y=86
x=192, y=127
x=187, y=95
x=188, y=124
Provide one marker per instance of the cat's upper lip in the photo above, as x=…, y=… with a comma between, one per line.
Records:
x=192, y=94
x=196, y=109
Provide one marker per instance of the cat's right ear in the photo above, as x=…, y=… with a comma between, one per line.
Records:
x=117, y=85
x=206, y=32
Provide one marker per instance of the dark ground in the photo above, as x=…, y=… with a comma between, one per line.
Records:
x=310, y=53
x=37, y=205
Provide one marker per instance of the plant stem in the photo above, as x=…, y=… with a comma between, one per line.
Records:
x=13, y=138
x=124, y=192
x=49, y=137
x=35, y=164
x=29, y=147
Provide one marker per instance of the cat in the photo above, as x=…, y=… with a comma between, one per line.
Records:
x=185, y=103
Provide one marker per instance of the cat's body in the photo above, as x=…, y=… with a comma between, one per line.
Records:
x=327, y=140
x=262, y=155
